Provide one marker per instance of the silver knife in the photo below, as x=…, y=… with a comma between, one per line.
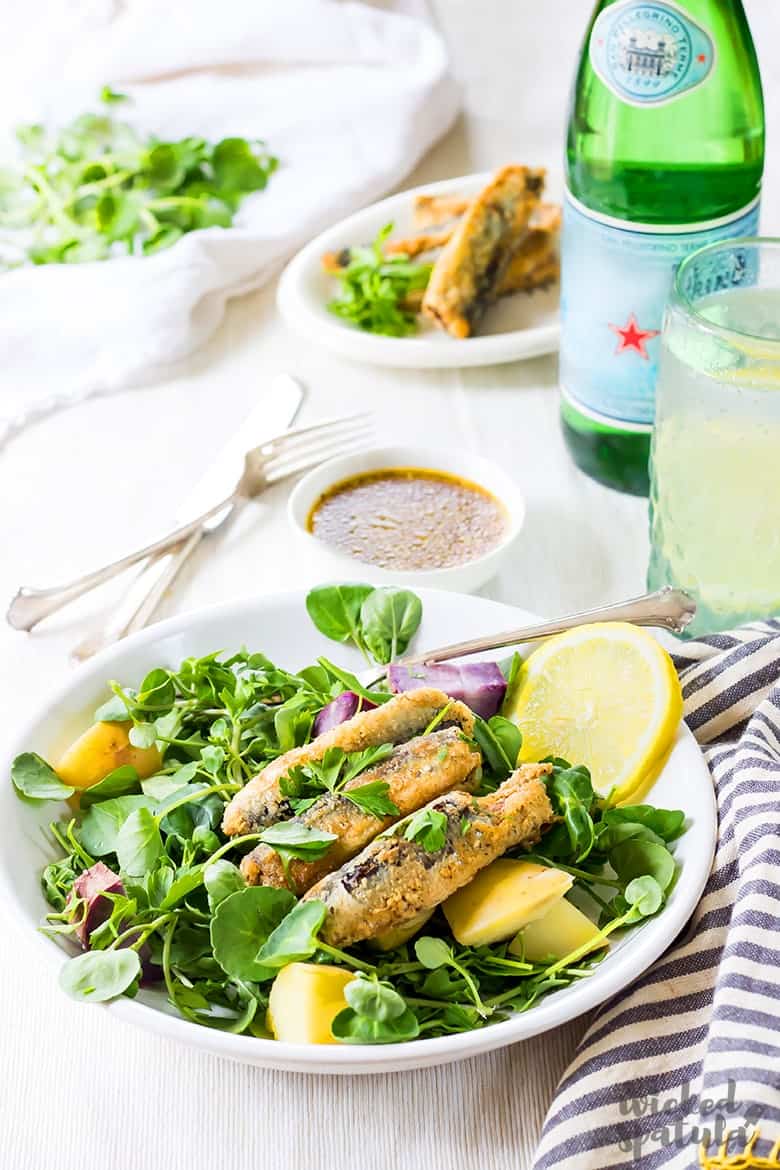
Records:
x=270, y=418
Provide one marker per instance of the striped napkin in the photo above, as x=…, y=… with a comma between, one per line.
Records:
x=692, y=1050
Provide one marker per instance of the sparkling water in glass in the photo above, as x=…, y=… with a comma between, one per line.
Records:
x=715, y=460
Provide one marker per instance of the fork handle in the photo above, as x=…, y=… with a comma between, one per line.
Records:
x=669, y=609
x=30, y=606
x=139, y=603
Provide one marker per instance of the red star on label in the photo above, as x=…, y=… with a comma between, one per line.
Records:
x=633, y=337
x=701, y=57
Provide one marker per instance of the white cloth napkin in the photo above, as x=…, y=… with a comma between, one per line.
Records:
x=348, y=96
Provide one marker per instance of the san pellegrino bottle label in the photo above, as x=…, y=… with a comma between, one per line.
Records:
x=648, y=54
x=615, y=284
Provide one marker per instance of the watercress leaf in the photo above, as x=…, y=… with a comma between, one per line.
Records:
x=187, y=793
x=335, y=611
x=114, y=710
x=350, y=682
x=157, y=883
x=219, y=730
x=373, y=798
x=205, y=839
x=157, y=692
x=212, y=757
x=439, y=984
x=573, y=783
x=222, y=879
x=116, y=215
x=100, y=827
x=120, y=782
x=318, y=679
x=143, y=735
x=98, y=976
x=638, y=858
x=390, y=618
x=237, y=1006
x=34, y=778
x=111, y=96
x=432, y=952
x=241, y=924
x=572, y=796
x=500, y=741
x=187, y=879
x=236, y=168
x=295, y=938
x=293, y=720
x=351, y=1028
x=297, y=840
x=666, y=823
x=644, y=896
x=138, y=842
x=160, y=788
x=163, y=167
x=374, y=999
x=427, y=827
x=608, y=835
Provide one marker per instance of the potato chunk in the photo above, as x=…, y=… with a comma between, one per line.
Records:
x=305, y=1000
x=103, y=747
x=557, y=933
x=502, y=899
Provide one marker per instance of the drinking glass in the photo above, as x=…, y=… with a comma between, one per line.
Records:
x=715, y=460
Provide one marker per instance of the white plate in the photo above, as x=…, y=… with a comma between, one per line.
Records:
x=520, y=326
x=278, y=625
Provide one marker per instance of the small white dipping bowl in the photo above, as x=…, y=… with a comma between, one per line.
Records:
x=331, y=563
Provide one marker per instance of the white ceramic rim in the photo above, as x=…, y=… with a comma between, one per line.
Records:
x=551, y=1012
x=401, y=352
x=341, y=467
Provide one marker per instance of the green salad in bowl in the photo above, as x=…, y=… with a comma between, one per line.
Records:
x=292, y=854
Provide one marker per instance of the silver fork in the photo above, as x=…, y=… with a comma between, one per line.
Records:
x=666, y=609
x=267, y=464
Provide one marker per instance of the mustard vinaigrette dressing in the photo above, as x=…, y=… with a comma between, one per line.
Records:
x=409, y=518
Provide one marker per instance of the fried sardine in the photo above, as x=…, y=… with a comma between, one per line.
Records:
x=261, y=801
x=393, y=880
x=470, y=268
x=415, y=773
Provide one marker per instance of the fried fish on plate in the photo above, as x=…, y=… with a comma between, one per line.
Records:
x=261, y=802
x=470, y=268
x=394, y=880
x=416, y=772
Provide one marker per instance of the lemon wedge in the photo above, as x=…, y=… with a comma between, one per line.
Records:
x=605, y=695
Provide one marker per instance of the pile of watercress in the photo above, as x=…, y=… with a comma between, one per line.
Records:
x=375, y=289
x=97, y=188
x=147, y=882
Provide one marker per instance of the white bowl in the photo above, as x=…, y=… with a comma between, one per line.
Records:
x=278, y=625
x=331, y=562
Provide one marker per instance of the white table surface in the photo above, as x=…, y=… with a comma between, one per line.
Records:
x=78, y=1089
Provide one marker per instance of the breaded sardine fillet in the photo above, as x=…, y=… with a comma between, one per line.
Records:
x=393, y=879
x=261, y=803
x=535, y=263
x=415, y=773
x=471, y=265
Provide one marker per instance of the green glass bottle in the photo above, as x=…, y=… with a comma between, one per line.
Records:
x=665, y=152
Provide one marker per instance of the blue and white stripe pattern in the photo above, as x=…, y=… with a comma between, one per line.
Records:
x=693, y=1048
